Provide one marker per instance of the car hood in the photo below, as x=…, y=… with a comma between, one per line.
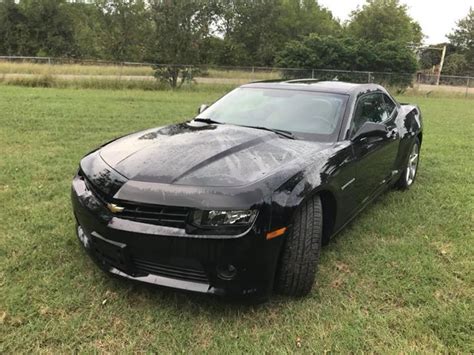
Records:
x=199, y=154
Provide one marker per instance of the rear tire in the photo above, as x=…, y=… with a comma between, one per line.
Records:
x=411, y=166
x=301, y=251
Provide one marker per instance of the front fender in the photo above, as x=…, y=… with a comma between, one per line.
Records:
x=302, y=185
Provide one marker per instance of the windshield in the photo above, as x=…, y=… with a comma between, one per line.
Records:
x=307, y=114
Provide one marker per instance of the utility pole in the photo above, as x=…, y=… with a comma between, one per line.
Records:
x=443, y=54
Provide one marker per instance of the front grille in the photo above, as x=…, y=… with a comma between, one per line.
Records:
x=189, y=273
x=155, y=214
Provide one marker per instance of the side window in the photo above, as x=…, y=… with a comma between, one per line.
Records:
x=389, y=105
x=370, y=108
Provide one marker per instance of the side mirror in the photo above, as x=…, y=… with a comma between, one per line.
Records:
x=370, y=129
x=202, y=108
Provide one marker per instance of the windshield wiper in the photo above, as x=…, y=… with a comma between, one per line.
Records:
x=283, y=133
x=207, y=120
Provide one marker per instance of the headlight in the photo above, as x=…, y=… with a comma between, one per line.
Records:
x=216, y=218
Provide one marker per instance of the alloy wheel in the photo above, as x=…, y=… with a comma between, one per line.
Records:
x=412, y=164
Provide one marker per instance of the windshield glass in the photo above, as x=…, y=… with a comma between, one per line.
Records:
x=307, y=114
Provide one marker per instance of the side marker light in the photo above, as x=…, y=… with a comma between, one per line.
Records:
x=276, y=233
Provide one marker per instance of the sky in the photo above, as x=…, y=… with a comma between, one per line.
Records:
x=436, y=17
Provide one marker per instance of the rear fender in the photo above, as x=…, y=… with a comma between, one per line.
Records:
x=412, y=119
x=410, y=126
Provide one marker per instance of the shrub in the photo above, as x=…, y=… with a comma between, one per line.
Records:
x=175, y=76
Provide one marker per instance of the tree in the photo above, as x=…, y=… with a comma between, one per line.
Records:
x=301, y=17
x=254, y=27
x=380, y=20
x=455, y=64
x=14, y=34
x=345, y=53
x=463, y=39
x=319, y=52
x=394, y=57
x=431, y=56
x=225, y=52
x=89, y=30
x=125, y=27
x=50, y=28
x=256, y=30
x=181, y=28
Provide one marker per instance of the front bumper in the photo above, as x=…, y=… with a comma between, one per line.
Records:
x=233, y=267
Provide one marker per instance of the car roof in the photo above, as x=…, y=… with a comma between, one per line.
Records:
x=338, y=87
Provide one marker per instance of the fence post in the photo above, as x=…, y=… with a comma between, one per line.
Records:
x=368, y=76
x=467, y=85
x=312, y=74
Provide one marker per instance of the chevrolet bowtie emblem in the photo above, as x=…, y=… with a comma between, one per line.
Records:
x=114, y=208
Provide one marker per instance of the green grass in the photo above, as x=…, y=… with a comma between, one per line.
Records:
x=398, y=279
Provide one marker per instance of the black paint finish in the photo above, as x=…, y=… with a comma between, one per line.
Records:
x=195, y=165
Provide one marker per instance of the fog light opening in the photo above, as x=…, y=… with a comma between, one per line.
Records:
x=83, y=237
x=226, y=272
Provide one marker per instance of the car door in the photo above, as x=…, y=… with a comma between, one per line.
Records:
x=374, y=156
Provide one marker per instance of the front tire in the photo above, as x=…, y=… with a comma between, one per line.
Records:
x=411, y=167
x=301, y=251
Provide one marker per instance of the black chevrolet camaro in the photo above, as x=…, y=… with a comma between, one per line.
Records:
x=239, y=200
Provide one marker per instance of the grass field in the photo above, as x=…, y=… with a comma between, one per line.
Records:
x=399, y=279
x=117, y=77
x=72, y=69
x=126, y=70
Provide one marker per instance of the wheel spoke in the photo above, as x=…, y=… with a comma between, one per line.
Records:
x=412, y=165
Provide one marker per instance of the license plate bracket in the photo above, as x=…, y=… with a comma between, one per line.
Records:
x=111, y=253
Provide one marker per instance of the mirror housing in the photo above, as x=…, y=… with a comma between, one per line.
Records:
x=370, y=129
x=202, y=108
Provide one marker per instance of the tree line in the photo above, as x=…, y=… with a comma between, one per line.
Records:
x=379, y=36
x=460, y=49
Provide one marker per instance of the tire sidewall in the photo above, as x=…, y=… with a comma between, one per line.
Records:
x=301, y=246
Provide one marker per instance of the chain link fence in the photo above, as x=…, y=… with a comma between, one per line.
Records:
x=67, y=68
